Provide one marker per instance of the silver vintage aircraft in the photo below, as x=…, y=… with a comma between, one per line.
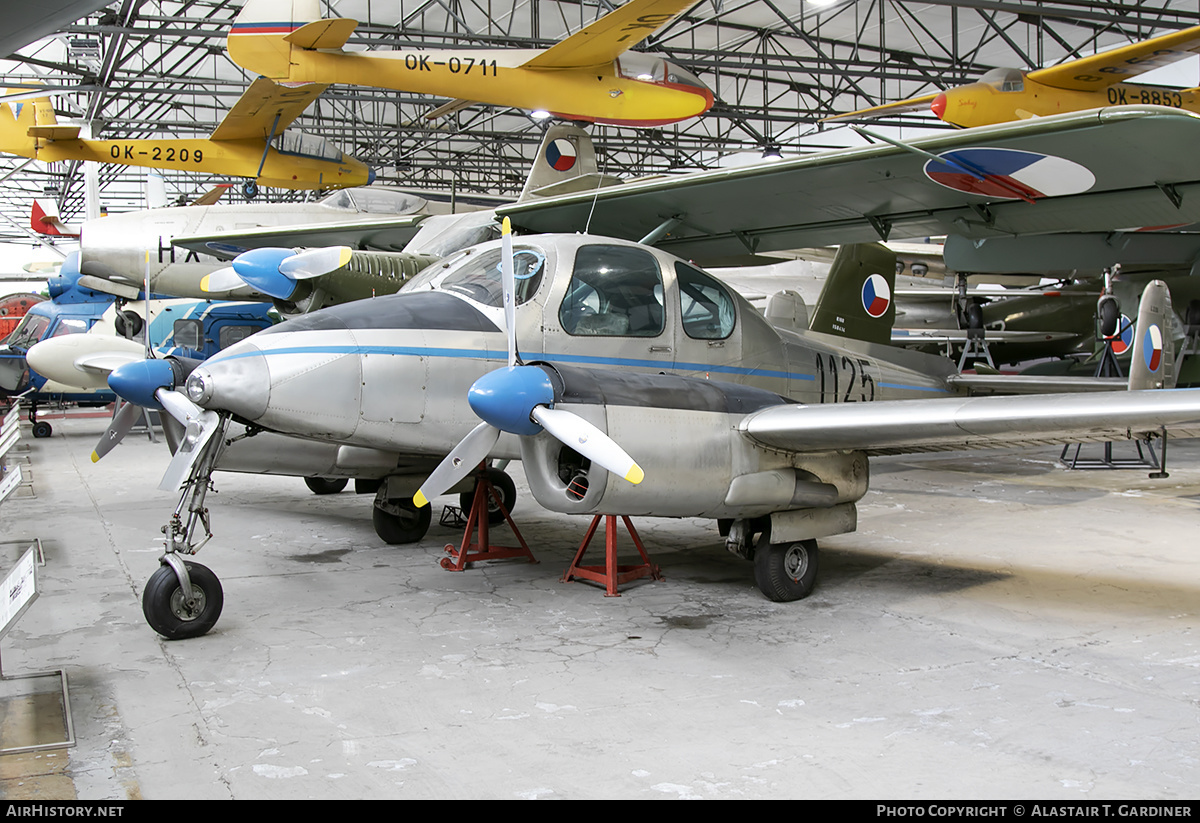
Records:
x=627, y=381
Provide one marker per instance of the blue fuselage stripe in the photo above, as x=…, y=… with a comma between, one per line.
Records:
x=477, y=354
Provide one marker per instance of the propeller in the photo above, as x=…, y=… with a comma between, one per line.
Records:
x=151, y=384
x=519, y=400
x=274, y=271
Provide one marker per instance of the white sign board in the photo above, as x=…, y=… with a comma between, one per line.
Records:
x=19, y=590
x=10, y=480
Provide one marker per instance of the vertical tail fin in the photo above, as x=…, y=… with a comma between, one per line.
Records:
x=1153, y=363
x=256, y=38
x=856, y=300
x=17, y=117
x=565, y=162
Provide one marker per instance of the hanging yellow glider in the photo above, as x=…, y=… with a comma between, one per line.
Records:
x=589, y=76
x=250, y=142
x=1004, y=95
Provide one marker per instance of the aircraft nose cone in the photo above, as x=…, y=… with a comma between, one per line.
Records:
x=938, y=106
x=505, y=398
x=370, y=175
x=236, y=381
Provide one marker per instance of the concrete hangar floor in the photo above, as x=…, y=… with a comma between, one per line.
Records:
x=997, y=628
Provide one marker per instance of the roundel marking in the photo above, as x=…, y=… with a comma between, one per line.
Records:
x=1152, y=347
x=876, y=296
x=1009, y=173
x=561, y=154
x=1123, y=341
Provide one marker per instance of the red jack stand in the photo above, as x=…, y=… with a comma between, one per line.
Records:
x=610, y=574
x=483, y=550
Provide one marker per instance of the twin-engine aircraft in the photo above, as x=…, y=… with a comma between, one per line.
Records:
x=1004, y=95
x=251, y=142
x=628, y=381
x=590, y=76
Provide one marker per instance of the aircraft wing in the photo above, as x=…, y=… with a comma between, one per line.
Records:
x=906, y=426
x=899, y=107
x=612, y=35
x=880, y=190
x=387, y=234
x=266, y=108
x=1118, y=65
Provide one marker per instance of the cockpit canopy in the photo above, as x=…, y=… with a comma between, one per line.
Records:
x=650, y=68
x=306, y=145
x=372, y=200
x=1003, y=80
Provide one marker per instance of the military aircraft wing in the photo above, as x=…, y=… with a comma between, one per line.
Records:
x=1090, y=182
x=1118, y=65
x=905, y=426
x=385, y=234
x=266, y=109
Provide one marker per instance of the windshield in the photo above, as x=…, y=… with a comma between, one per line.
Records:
x=477, y=277
x=651, y=69
x=29, y=332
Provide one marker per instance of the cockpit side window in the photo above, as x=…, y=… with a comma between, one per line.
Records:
x=478, y=277
x=706, y=308
x=615, y=291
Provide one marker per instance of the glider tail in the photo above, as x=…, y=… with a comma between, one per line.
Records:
x=257, y=41
x=18, y=117
x=1153, y=362
x=857, y=299
x=565, y=162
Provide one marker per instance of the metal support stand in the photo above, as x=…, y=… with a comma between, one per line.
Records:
x=1146, y=458
x=610, y=574
x=469, y=552
x=976, y=347
x=27, y=710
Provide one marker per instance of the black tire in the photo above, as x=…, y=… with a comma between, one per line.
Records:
x=326, y=485
x=167, y=612
x=250, y=189
x=42, y=429
x=399, y=521
x=508, y=494
x=785, y=572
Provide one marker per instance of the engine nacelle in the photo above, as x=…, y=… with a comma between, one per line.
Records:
x=704, y=468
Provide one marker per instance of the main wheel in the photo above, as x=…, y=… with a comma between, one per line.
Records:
x=42, y=429
x=250, y=189
x=325, y=485
x=785, y=571
x=399, y=521
x=175, y=616
x=508, y=494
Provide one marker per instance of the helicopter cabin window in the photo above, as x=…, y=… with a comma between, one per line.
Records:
x=615, y=291
x=706, y=308
x=478, y=277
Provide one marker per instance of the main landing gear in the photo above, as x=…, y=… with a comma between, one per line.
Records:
x=784, y=572
x=397, y=520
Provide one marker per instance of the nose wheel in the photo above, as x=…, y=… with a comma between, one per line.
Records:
x=179, y=610
x=397, y=520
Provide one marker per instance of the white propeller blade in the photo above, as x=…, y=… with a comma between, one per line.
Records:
x=225, y=279
x=462, y=460
x=572, y=430
x=508, y=284
x=316, y=262
x=126, y=415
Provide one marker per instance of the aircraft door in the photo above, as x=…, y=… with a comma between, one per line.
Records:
x=611, y=311
x=709, y=342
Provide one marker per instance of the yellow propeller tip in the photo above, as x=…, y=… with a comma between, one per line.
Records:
x=419, y=500
x=204, y=282
x=95, y=457
x=635, y=474
x=506, y=226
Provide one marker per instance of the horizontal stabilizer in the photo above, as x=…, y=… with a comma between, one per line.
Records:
x=323, y=34
x=54, y=132
x=451, y=107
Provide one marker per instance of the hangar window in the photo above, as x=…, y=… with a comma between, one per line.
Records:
x=706, y=307
x=478, y=276
x=615, y=291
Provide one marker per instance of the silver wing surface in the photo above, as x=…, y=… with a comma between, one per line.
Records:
x=904, y=426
